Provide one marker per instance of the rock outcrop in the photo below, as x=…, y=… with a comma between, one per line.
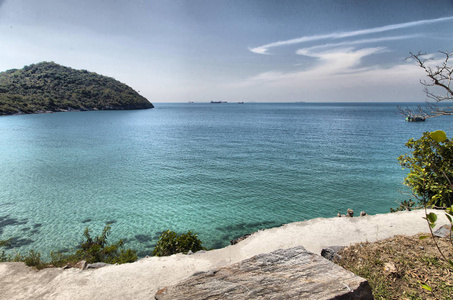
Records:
x=331, y=253
x=283, y=274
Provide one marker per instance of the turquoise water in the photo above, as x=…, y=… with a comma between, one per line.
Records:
x=221, y=170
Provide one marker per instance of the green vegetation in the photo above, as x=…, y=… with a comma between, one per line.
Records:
x=97, y=249
x=171, y=243
x=48, y=86
x=430, y=167
x=430, y=179
x=405, y=205
x=91, y=250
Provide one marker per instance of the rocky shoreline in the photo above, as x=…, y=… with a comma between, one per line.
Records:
x=69, y=109
x=144, y=278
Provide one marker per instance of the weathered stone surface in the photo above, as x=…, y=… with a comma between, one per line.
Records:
x=97, y=265
x=81, y=265
x=331, y=253
x=283, y=274
x=443, y=231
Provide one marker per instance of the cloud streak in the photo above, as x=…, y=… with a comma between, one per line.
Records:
x=338, y=35
x=338, y=76
x=333, y=64
x=308, y=50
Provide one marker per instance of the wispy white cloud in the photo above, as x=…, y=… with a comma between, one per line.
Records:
x=337, y=35
x=334, y=66
x=339, y=75
x=308, y=50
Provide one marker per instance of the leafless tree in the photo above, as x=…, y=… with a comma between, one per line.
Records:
x=439, y=78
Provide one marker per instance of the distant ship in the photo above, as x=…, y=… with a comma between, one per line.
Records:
x=218, y=102
x=415, y=119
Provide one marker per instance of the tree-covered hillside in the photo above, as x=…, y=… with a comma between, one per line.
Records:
x=48, y=86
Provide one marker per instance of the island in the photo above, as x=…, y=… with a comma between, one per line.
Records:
x=50, y=87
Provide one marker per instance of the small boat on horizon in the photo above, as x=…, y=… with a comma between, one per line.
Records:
x=415, y=119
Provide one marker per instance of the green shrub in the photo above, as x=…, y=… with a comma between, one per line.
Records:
x=91, y=250
x=171, y=243
x=58, y=259
x=97, y=250
x=430, y=165
x=33, y=259
x=405, y=205
x=126, y=256
x=4, y=257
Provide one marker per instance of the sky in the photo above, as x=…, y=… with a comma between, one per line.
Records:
x=236, y=50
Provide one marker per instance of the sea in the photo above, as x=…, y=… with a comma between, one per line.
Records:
x=219, y=170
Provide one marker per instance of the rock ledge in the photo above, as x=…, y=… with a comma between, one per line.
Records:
x=293, y=273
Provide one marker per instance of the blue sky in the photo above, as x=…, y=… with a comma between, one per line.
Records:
x=235, y=50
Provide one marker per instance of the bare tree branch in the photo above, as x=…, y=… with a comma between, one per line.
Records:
x=439, y=76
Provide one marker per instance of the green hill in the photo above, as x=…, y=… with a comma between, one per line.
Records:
x=48, y=86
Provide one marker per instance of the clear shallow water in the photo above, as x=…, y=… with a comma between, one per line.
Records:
x=218, y=170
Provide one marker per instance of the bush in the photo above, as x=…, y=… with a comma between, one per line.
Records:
x=91, y=250
x=171, y=243
x=3, y=256
x=97, y=250
x=33, y=259
x=431, y=169
x=405, y=205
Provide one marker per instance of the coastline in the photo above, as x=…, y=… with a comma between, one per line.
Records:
x=20, y=113
x=142, y=279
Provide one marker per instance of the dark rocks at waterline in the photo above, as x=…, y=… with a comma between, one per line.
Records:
x=350, y=214
x=283, y=274
x=79, y=265
x=83, y=265
x=97, y=265
x=239, y=239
